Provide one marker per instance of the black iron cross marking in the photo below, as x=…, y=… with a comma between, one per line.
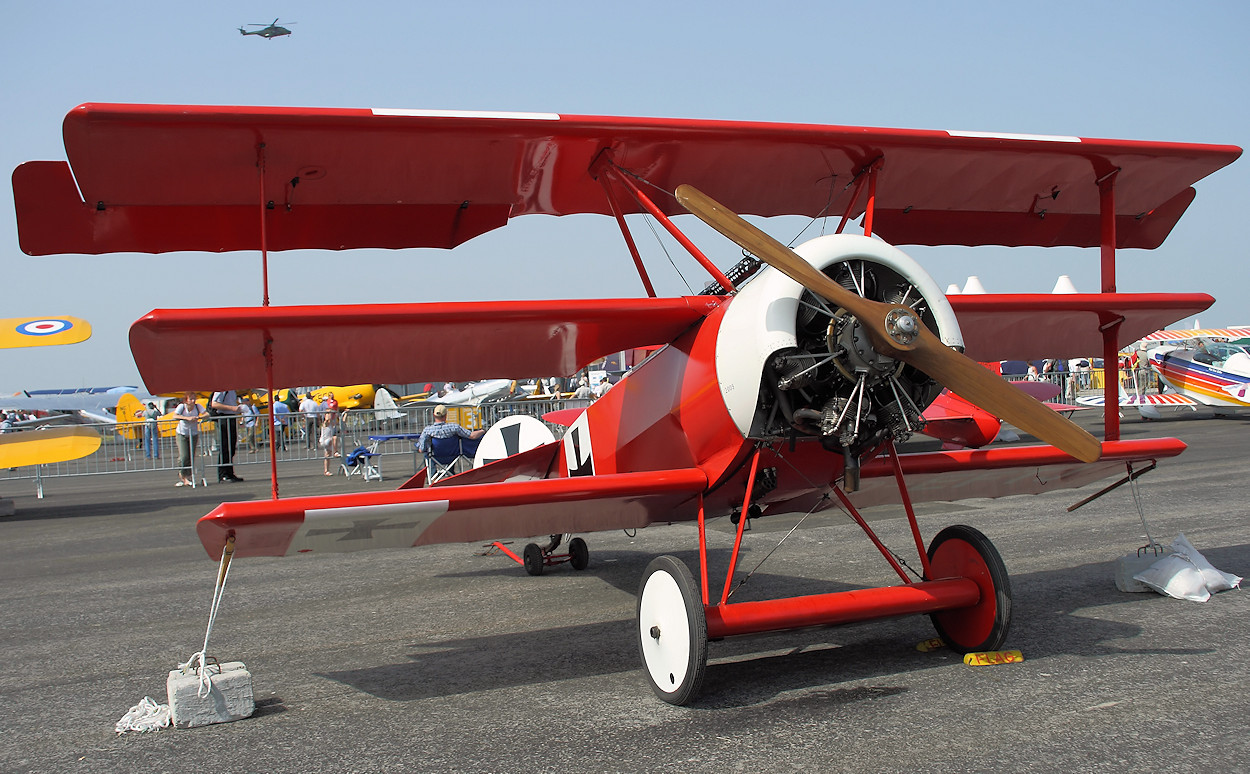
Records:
x=361, y=529
x=511, y=443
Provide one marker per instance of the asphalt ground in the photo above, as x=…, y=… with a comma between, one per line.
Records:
x=438, y=659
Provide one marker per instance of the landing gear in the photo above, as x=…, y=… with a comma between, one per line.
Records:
x=579, y=554
x=533, y=559
x=961, y=551
x=536, y=558
x=672, y=630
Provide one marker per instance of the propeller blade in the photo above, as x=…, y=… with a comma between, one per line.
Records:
x=896, y=331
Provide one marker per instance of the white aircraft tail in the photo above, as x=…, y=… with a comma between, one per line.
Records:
x=384, y=406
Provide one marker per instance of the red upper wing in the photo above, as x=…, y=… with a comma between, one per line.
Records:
x=397, y=343
x=152, y=178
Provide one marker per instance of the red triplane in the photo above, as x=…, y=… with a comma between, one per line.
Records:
x=782, y=388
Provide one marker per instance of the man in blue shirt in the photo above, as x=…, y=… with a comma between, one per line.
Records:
x=444, y=429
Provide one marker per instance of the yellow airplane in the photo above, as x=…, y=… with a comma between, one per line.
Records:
x=49, y=444
x=130, y=417
x=350, y=397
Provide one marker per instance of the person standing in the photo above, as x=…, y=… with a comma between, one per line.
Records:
x=330, y=432
x=247, y=418
x=602, y=388
x=151, y=432
x=281, y=415
x=189, y=415
x=309, y=408
x=225, y=407
x=334, y=417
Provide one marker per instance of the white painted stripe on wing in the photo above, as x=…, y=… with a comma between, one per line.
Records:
x=464, y=114
x=1012, y=136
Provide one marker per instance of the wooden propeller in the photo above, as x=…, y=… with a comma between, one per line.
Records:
x=897, y=331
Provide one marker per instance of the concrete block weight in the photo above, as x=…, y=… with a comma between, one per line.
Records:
x=229, y=698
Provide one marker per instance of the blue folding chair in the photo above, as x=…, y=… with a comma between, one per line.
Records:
x=362, y=461
x=448, y=456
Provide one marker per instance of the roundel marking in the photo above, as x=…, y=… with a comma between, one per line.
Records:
x=44, y=327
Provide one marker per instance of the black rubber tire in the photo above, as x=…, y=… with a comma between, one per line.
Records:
x=579, y=554
x=960, y=550
x=533, y=557
x=670, y=600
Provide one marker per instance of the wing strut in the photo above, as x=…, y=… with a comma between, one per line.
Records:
x=606, y=167
x=1110, y=328
x=264, y=279
x=605, y=181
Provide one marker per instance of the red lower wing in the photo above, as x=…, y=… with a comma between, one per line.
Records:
x=1012, y=470
x=451, y=514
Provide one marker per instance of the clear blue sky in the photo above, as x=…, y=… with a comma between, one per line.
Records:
x=1142, y=70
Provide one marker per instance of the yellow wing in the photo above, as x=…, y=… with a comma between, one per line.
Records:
x=48, y=445
x=42, y=331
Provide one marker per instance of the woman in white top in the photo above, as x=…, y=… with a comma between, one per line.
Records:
x=189, y=414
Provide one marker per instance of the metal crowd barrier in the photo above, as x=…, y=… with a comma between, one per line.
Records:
x=390, y=437
x=123, y=448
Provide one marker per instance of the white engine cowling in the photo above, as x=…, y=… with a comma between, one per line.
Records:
x=789, y=363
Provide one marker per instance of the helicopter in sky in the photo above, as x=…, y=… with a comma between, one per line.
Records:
x=268, y=31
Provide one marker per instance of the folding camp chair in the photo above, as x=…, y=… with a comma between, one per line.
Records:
x=448, y=456
x=363, y=461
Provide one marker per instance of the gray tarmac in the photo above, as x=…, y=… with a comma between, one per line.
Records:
x=438, y=659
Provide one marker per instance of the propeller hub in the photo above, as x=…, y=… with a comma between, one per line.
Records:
x=901, y=325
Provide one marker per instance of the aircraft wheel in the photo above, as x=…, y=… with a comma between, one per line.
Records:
x=672, y=630
x=961, y=551
x=579, y=554
x=533, y=557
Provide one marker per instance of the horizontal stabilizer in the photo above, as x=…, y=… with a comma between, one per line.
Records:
x=1149, y=399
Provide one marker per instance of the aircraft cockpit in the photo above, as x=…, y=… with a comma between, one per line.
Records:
x=1217, y=353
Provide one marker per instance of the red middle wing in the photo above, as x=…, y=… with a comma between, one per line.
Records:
x=398, y=343
x=1027, y=326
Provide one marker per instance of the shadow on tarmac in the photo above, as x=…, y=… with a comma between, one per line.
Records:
x=1048, y=621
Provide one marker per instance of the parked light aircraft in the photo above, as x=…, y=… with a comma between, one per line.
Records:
x=783, y=388
x=352, y=396
x=30, y=442
x=1214, y=374
x=1199, y=368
